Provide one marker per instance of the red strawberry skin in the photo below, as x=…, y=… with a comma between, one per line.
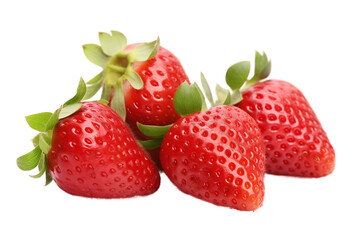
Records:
x=217, y=156
x=153, y=104
x=94, y=154
x=294, y=140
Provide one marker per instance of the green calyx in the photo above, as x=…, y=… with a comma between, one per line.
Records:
x=237, y=78
x=117, y=66
x=45, y=123
x=224, y=96
x=237, y=74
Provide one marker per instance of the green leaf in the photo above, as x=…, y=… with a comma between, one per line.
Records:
x=112, y=44
x=68, y=110
x=106, y=92
x=38, y=121
x=262, y=66
x=153, y=131
x=103, y=101
x=44, y=143
x=35, y=140
x=145, y=51
x=151, y=144
x=207, y=90
x=94, y=86
x=95, y=79
x=236, y=97
x=238, y=74
x=47, y=174
x=266, y=70
x=188, y=99
x=203, y=106
x=30, y=160
x=80, y=93
x=118, y=101
x=42, y=167
x=224, y=96
x=53, y=119
x=134, y=79
x=95, y=55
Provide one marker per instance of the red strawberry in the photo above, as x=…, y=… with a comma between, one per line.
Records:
x=216, y=155
x=140, y=80
x=294, y=140
x=92, y=153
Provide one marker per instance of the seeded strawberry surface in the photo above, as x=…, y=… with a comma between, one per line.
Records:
x=94, y=154
x=294, y=140
x=216, y=156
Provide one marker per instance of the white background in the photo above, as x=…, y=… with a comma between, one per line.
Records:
x=312, y=44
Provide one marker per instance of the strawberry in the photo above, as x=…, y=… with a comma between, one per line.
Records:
x=294, y=140
x=139, y=80
x=214, y=155
x=88, y=150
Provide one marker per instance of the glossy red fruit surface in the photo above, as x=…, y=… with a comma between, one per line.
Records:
x=94, y=154
x=216, y=156
x=294, y=140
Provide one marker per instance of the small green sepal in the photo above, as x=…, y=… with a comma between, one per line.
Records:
x=38, y=121
x=93, y=86
x=69, y=109
x=30, y=160
x=207, y=90
x=223, y=95
x=80, y=93
x=153, y=131
x=145, y=51
x=188, y=99
x=151, y=144
x=118, y=102
x=112, y=44
x=95, y=54
x=262, y=66
x=237, y=74
x=53, y=120
x=44, y=143
x=235, y=97
x=135, y=80
x=42, y=167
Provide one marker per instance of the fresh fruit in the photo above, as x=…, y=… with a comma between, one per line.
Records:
x=294, y=140
x=214, y=155
x=139, y=80
x=88, y=150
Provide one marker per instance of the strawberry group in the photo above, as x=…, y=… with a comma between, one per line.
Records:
x=150, y=118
